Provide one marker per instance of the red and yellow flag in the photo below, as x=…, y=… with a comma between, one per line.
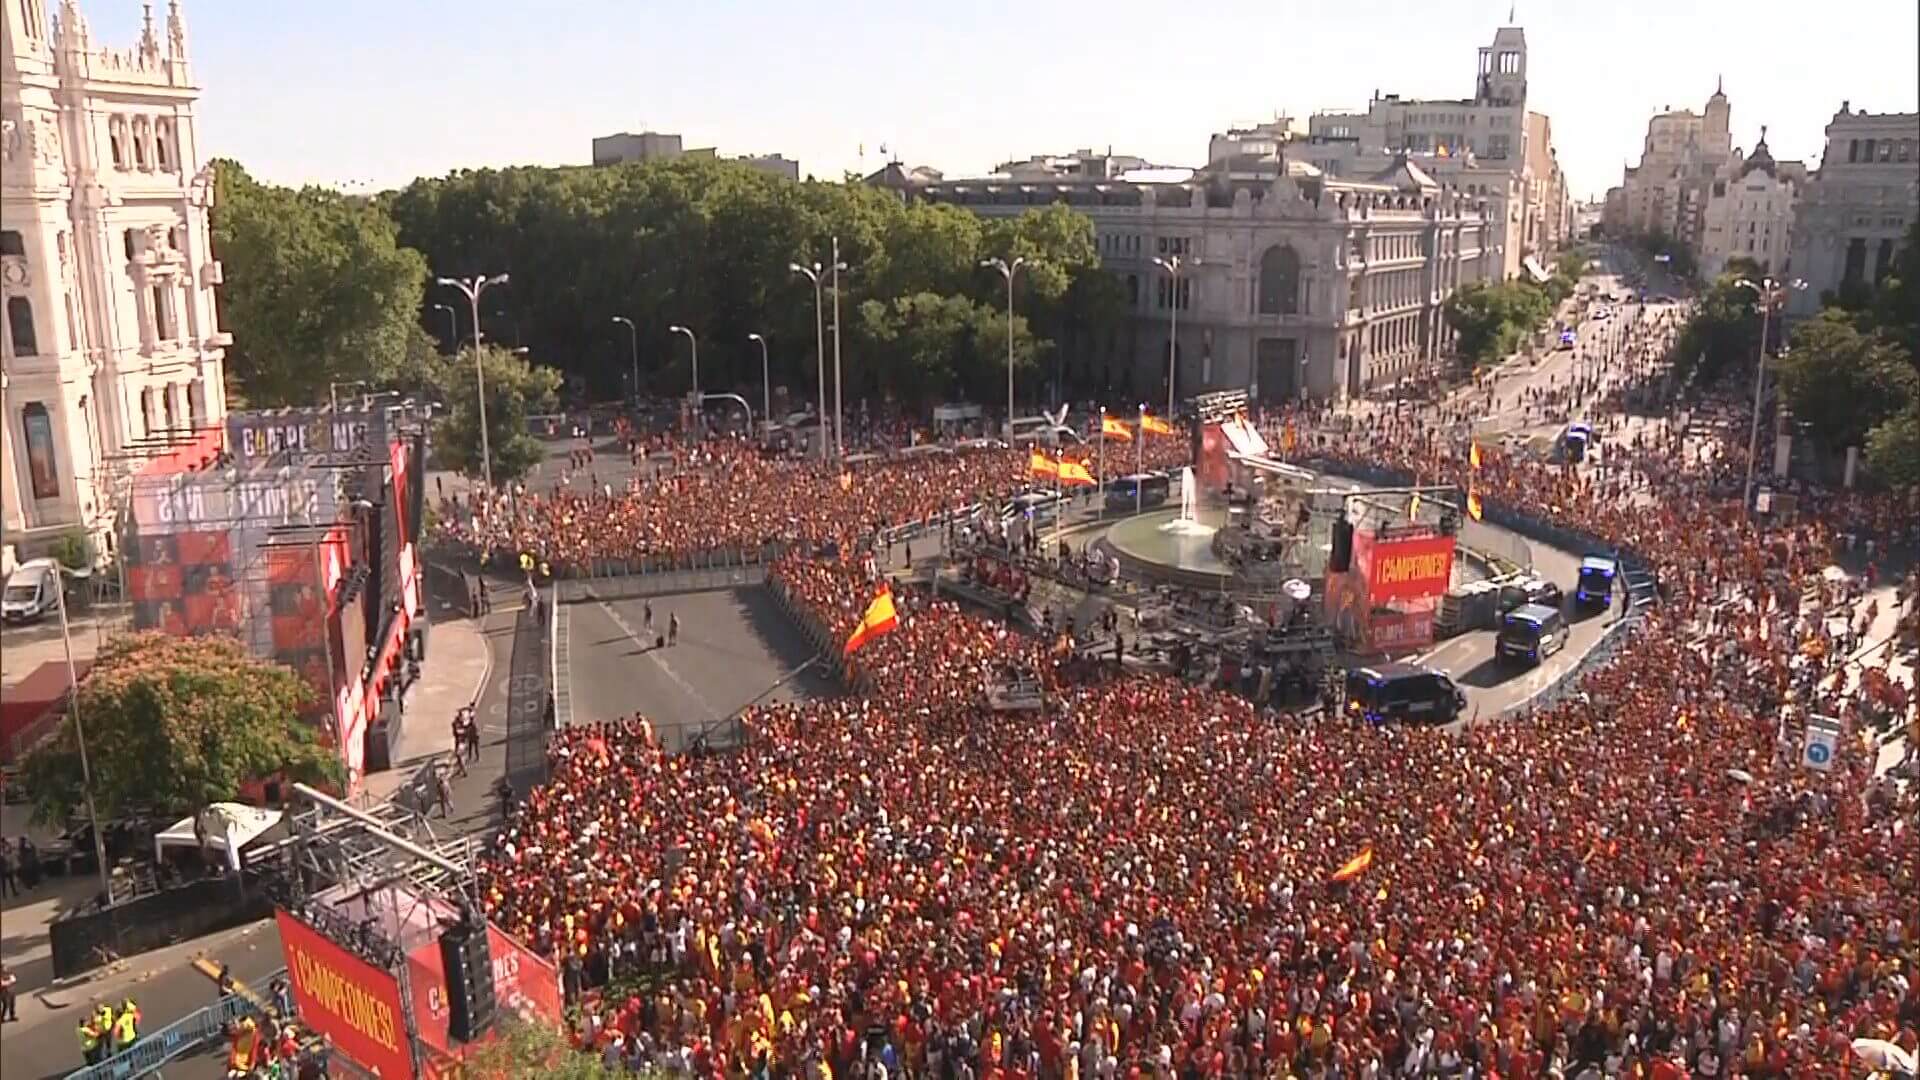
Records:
x=879, y=619
x=1153, y=425
x=1040, y=464
x=1075, y=473
x=1473, y=453
x=1115, y=428
x=1474, y=509
x=1288, y=438
x=1356, y=865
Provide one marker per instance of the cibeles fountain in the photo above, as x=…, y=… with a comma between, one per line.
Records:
x=1174, y=546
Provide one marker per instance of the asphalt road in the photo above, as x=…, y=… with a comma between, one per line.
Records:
x=735, y=646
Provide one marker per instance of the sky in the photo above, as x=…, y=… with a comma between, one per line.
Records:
x=364, y=95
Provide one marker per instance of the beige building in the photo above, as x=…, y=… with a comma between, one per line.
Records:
x=1291, y=284
x=659, y=146
x=1854, y=213
x=111, y=349
x=1682, y=155
x=1749, y=213
x=1488, y=144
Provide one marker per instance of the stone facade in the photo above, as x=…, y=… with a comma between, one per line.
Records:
x=111, y=344
x=1292, y=284
x=659, y=146
x=1749, y=214
x=1683, y=154
x=1854, y=213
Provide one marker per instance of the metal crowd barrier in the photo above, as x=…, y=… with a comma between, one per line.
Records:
x=699, y=571
x=184, y=1036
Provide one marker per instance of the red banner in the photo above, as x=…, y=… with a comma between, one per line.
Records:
x=1399, y=631
x=523, y=985
x=346, y=999
x=1416, y=568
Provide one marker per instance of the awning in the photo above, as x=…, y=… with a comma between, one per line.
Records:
x=229, y=827
x=1535, y=270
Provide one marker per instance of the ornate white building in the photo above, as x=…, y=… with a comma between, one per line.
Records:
x=111, y=347
x=1749, y=214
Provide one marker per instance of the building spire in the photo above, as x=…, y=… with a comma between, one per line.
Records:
x=1720, y=84
x=176, y=32
x=1511, y=8
x=149, y=43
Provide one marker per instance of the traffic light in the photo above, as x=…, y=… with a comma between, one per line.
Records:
x=469, y=968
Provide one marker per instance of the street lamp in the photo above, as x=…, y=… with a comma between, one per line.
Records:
x=1008, y=270
x=696, y=344
x=766, y=383
x=819, y=343
x=80, y=733
x=633, y=339
x=1767, y=291
x=473, y=287
x=1173, y=265
x=453, y=325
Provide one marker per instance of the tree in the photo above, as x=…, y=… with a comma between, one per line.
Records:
x=317, y=289
x=1571, y=264
x=1844, y=383
x=175, y=723
x=526, y=1049
x=1893, y=448
x=1491, y=319
x=515, y=390
x=1723, y=332
x=1896, y=304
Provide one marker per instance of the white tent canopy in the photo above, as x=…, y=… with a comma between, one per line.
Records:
x=228, y=828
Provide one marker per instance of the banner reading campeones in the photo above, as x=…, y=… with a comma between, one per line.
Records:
x=1415, y=568
x=348, y=1000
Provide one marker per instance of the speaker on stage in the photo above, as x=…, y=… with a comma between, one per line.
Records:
x=1341, y=559
x=469, y=967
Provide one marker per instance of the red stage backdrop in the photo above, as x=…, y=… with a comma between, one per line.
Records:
x=1415, y=568
x=347, y=999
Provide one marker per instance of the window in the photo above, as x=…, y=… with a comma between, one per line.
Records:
x=166, y=406
x=197, y=403
x=131, y=244
x=73, y=325
x=1856, y=267
x=1883, y=260
x=146, y=411
x=162, y=152
x=1866, y=153
x=162, y=317
x=43, y=464
x=20, y=326
x=11, y=243
x=1280, y=281
x=117, y=139
x=140, y=144
x=1509, y=63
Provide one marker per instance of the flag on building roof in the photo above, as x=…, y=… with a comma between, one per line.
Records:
x=879, y=619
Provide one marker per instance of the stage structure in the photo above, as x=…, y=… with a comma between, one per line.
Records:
x=295, y=531
x=1390, y=562
x=387, y=953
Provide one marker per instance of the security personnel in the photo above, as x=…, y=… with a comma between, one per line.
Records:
x=92, y=1037
x=126, y=1027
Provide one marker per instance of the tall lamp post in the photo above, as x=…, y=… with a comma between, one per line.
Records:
x=766, y=382
x=1173, y=265
x=633, y=342
x=812, y=274
x=1008, y=270
x=453, y=325
x=1767, y=292
x=839, y=411
x=473, y=287
x=80, y=734
x=693, y=343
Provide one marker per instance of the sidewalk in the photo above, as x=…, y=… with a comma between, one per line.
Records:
x=459, y=663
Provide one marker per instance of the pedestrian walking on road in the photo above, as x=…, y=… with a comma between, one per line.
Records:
x=9, y=883
x=646, y=614
x=443, y=793
x=8, y=995
x=673, y=630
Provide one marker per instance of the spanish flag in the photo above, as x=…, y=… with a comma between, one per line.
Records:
x=1356, y=865
x=1075, y=472
x=1040, y=464
x=1473, y=454
x=1115, y=428
x=1153, y=425
x=1474, y=509
x=879, y=619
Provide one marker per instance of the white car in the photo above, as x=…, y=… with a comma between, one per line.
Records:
x=33, y=590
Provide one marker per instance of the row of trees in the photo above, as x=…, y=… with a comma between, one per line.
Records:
x=328, y=288
x=1490, y=320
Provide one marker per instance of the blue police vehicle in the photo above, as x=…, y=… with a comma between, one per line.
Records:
x=1531, y=633
x=1594, y=588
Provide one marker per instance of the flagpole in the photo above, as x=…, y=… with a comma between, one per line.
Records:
x=1101, y=504
x=1139, y=459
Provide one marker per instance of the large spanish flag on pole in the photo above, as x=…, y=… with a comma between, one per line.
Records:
x=1154, y=425
x=1075, y=472
x=1115, y=428
x=1040, y=464
x=879, y=619
x=1356, y=865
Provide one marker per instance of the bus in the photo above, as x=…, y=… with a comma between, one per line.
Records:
x=1143, y=490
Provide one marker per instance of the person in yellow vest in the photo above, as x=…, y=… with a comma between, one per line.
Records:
x=90, y=1039
x=126, y=1026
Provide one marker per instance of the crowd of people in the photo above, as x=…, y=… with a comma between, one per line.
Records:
x=1156, y=879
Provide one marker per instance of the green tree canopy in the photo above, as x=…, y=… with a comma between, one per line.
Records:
x=1893, y=448
x=1722, y=333
x=522, y=1049
x=317, y=289
x=1843, y=382
x=516, y=390
x=175, y=723
x=1491, y=320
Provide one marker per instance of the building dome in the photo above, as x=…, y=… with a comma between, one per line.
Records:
x=1761, y=160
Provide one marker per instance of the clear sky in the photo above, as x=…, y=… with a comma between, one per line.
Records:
x=356, y=92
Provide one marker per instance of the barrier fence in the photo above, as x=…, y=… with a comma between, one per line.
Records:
x=527, y=699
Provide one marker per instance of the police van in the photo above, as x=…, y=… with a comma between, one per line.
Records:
x=1594, y=587
x=1531, y=632
x=1403, y=693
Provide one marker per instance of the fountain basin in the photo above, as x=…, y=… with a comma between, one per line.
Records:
x=1163, y=546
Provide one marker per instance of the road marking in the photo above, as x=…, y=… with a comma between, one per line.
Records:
x=653, y=654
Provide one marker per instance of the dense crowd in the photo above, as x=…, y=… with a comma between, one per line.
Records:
x=726, y=496
x=1639, y=880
